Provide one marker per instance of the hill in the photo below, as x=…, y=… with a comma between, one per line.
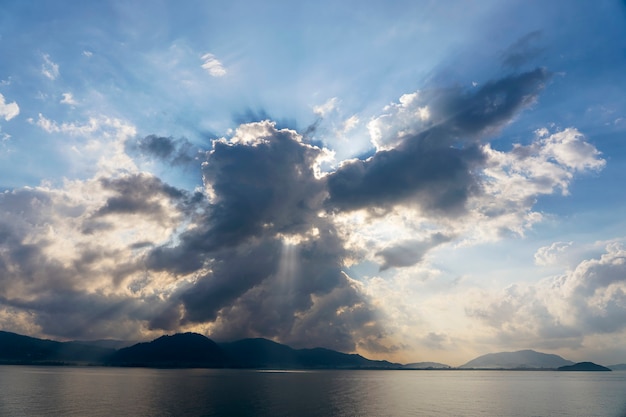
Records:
x=16, y=348
x=106, y=343
x=523, y=359
x=263, y=353
x=181, y=350
x=259, y=353
x=584, y=366
x=618, y=367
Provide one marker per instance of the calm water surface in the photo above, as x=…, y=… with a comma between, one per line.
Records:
x=93, y=391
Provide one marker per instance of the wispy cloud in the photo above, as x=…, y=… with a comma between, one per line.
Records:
x=324, y=109
x=49, y=69
x=212, y=65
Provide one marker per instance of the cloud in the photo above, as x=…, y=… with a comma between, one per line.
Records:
x=326, y=108
x=72, y=258
x=409, y=252
x=49, y=69
x=350, y=123
x=564, y=310
x=100, y=142
x=175, y=152
x=272, y=262
x=136, y=194
x=433, y=167
x=51, y=126
x=522, y=51
x=550, y=255
x=8, y=110
x=68, y=98
x=512, y=181
x=212, y=65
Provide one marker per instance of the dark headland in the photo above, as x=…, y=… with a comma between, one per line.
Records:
x=584, y=366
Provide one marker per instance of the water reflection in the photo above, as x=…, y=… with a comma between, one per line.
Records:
x=43, y=391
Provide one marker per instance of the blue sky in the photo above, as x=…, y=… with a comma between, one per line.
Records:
x=408, y=180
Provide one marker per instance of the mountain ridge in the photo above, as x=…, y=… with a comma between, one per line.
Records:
x=181, y=350
x=184, y=350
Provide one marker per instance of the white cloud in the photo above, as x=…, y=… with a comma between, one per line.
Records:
x=408, y=117
x=100, y=141
x=255, y=133
x=213, y=65
x=551, y=255
x=569, y=149
x=87, y=53
x=8, y=110
x=561, y=311
x=49, y=69
x=51, y=126
x=68, y=98
x=326, y=108
x=512, y=181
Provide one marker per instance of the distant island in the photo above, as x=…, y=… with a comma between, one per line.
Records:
x=192, y=350
x=584, y=366
x=426, y=365
x=522, y=359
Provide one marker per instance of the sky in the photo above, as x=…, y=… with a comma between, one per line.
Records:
x=408, y=180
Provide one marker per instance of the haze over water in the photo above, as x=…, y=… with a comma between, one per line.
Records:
x=95, y=391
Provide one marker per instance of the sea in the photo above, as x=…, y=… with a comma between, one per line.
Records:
x=101, y=391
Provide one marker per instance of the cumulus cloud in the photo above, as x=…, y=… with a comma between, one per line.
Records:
x=8, y=110
x=561, y=311
x=512, y=181
x=550, y=255
x=212, y=65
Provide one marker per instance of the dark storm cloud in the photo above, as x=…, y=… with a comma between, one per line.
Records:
x=409, y=252
x=75, y=314
x=260, y=190
x=139, y=194
x=436, y=167
x=176, y=152
x=264, y=193
x=238, y=269
x=300, y=296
